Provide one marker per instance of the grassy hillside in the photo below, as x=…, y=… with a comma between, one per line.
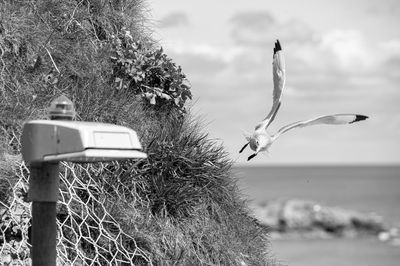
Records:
x=180, y=206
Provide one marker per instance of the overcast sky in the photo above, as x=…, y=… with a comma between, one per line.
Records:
x=341, y=57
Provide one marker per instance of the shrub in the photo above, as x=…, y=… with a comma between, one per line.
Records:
x=148, y=72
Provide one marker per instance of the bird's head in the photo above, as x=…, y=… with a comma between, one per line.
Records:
x=259, y=143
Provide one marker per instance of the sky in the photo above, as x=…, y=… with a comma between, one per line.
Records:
x=341, y=57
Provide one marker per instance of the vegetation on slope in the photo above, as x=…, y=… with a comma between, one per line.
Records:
x=180, y=205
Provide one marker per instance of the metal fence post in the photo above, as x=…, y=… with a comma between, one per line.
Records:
x=43, y=192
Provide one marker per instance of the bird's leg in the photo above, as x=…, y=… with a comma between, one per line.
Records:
x=244, y=147
x=251, y=156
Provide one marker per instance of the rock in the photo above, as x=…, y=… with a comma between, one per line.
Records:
x=391, y=236
x=384, y=236
x=269, y=215
x=297, y=215
x=307, y=216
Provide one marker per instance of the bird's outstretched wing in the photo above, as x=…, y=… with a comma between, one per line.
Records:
x=279, y=76
x=338, y=119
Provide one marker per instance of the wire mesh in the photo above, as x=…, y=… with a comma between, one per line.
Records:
x=88, y=233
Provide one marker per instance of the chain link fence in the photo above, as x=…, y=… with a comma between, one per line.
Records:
x=88, y=232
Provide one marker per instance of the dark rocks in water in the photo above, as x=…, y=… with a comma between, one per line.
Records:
x=300, y=216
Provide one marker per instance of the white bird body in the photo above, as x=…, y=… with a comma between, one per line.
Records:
x=261, y=140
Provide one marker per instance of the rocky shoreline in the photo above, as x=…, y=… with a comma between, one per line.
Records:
x=293, y=218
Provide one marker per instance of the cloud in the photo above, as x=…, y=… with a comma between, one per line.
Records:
x=260, y=28
x=200, y=65
x=248, y=27
x=336, y=54
x=337, y=65
x=217, y=52
x=202, y=60
x=342, y=59
x=384, y=8
x=390, y=51
x=255, y=20
x=349, y=48
x=175, y=19
x=296, y=31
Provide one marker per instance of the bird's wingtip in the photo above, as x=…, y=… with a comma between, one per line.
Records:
x=360, y=118
x=251, y=156
x=277, y=47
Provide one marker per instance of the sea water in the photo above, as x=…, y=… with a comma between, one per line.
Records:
x=369, y=189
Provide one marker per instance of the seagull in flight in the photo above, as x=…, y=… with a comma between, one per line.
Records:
x=261, y=140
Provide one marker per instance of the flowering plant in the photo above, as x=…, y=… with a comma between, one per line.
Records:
x=149, y=72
